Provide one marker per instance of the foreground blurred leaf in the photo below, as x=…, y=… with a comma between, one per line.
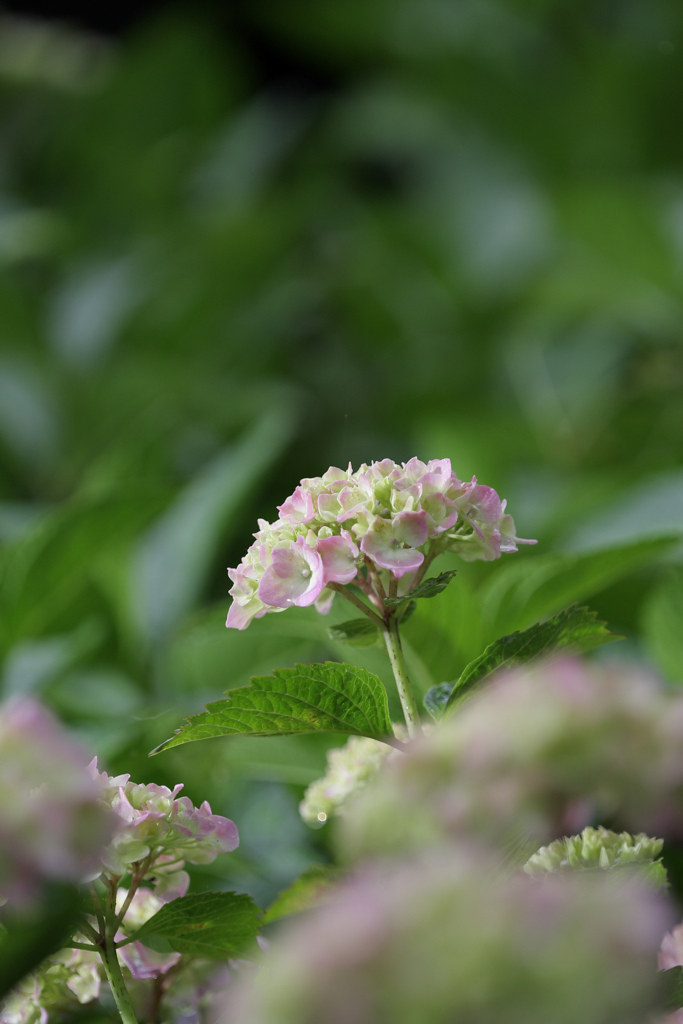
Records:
x=574, y=629
x=29, y=937
x=213, y=924
x=174, y=557
x=307, y=698
x=307, y=891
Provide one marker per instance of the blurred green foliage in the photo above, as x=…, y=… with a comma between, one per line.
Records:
x=437, y=228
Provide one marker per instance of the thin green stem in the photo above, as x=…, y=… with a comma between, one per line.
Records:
x=110, y=960
x=82, y=945
x=136, y=877
x=87, y=929
x=97, y=905
x=392, y=639
x=356, y=601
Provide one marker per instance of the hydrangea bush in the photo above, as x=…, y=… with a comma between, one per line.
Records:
x=504, y=861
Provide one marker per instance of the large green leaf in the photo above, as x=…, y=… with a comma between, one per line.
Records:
x=213, y=924
x=310, y=889
x=574, y=629
x=524, y=592
x=307, y=698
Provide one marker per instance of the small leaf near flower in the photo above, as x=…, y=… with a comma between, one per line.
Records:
x=428, y=588
x=327, y=697
x=355, y=632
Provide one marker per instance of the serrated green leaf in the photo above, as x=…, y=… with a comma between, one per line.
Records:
x=355, y=632
x=310, y=889
x=330, y=697
x=574, y=629
x=428, y=588
x=213, y=924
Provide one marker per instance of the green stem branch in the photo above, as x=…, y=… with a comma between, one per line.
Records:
x=356, y=601
x=110, y=960
x=392, y=639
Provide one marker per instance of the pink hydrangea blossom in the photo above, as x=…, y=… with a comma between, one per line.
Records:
x=154, y=821
x=386, y=518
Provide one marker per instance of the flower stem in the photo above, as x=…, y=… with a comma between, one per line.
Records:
x=356, y=601
x=392, y=639
x=110, y=960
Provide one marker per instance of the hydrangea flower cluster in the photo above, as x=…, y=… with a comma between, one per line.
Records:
x=348, y=769
x=539, y=752
x=385, y=521
x=162, y=830
x=602, y=849
x=449, y=936
x=151, y=832
x=65, y=979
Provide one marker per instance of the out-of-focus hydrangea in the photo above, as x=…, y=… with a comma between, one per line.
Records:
x=450, y=938
x=671, y=950
x=394, y=518
x=196, y=990
x=154, y=822
x=348, y=769
x=599, y=848
x=141, y=961
x=63, y=980
x=52, y=823
x=671, y=955
x=538, y=754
